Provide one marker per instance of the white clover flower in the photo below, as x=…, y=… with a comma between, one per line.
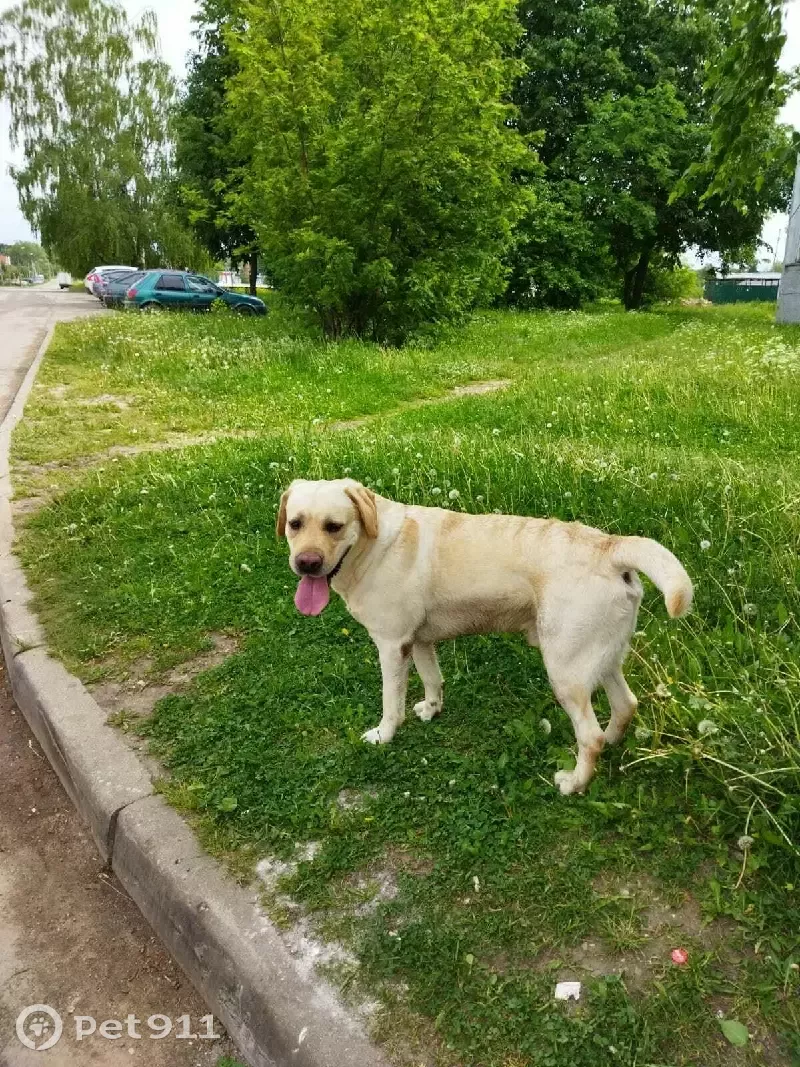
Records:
x=395, y=471
x=452, y=782
x=706, y=727
x=479, y=499
x=454, y=494
x=496, y=432
x=274, y=466
x=347, y=470
x=653, y=476
x=704, y=546
x=477, y=883
x=549, y=425
x=419, y=455
x=567, y=495
x=546, y=727
x=436, y=491
x=244, y=567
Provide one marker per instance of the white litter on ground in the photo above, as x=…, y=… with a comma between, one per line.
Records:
x=568, y=991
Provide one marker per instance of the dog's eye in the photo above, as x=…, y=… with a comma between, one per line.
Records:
x=333, y=527
x=295, y=524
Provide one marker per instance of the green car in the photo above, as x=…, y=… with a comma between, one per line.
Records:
x=178, y=289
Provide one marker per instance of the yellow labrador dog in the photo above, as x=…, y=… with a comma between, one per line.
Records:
x=414, y=576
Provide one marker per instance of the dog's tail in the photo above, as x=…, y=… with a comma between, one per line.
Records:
x=660, y=566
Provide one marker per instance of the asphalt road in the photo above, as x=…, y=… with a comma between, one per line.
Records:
x=25, y=315
x=70, y=937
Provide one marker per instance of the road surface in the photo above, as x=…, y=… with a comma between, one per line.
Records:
x=70, y=937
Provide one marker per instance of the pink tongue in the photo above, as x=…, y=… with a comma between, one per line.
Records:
x=312, y=595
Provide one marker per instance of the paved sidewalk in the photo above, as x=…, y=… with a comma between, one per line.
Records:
x=25, y=315
x=70, y=937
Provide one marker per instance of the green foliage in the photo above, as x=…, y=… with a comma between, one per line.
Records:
x=90, y=102
x=666, y=283
x=744, y=84
x=29, y=256
x=208, y=166
x=382, y=154
x=618, y=95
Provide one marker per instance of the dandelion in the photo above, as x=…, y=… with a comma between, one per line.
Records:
x=432, y=473
x=704, y=546
x=745, y=842
x=436, y=491
x=476, y=883
x=662, y=691
x=396, y=471
x=479, y=499
x=347, y=470
x=750, y=609
x=642, y=733
x=454, y=494
x=707, y=727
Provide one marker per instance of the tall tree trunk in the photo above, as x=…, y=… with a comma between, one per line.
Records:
x=253, y=272
x=633, y=286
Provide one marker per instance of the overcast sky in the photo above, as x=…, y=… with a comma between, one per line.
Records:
x=174, y=19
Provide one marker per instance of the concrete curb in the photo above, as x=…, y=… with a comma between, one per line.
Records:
x=237, y=959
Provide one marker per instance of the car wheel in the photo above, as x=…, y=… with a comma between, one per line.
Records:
x=244, y=309
x=151, y=305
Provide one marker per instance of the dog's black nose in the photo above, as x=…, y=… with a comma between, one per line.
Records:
x=309, y=562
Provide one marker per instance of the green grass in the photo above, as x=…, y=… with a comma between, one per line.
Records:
x=680, y=425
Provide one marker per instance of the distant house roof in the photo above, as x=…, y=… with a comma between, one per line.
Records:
x=753, y=275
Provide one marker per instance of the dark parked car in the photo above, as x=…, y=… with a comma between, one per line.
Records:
x=114, y=286
x=174, y=289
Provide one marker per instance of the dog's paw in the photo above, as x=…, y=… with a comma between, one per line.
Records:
x=568, y=782
x=375, y=737
x=613, y=735
x=426, y=711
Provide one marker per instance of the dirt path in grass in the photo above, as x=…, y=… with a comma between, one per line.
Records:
x=70, y=937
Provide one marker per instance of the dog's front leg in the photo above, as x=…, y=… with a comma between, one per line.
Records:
x=395, y=660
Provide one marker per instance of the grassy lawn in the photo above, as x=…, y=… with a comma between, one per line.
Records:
x=462, y=885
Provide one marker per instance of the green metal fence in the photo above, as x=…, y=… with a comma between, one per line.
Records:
x=734, y=290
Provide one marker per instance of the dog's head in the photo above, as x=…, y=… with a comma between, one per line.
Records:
x=323, y=521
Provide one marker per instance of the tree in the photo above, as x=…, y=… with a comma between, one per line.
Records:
x=208, y=165
x=28, y=255
x=90, y=103
x=382, y=155
x=618, y=92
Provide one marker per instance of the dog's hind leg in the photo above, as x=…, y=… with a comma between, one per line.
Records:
x=623, y=705
x=395, y=663
x=576, y=700
x=427, y=665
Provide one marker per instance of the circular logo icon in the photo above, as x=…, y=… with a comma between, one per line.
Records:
x=39, y=1027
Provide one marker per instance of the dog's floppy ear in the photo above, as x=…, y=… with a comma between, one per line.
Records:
x=364, y=500
x=280, y=523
